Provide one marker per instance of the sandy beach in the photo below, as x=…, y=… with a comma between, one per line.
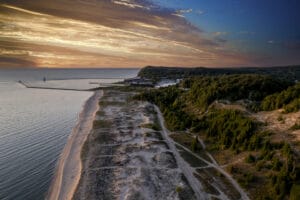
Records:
x=125, y=156
x=121, y=149
x=69, y=167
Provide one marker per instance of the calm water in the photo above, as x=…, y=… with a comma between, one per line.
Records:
x=35, y=125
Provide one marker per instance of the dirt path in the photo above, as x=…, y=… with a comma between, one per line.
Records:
x=214, y=165
x=189, y=171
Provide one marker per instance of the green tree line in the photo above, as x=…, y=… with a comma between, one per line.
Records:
x=288, y=99
x=231, y=129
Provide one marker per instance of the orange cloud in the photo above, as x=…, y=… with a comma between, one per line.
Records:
x=117, y=33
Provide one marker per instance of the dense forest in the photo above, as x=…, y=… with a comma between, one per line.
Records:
x=226, y=129
x=288, y=99
x=204, y=90
x=156, y=73
x=198, y=93
x=170, y=102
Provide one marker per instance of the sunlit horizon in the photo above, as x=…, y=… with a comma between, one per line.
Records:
x=131, y=33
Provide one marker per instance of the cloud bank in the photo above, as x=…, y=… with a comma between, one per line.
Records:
x=106, y=33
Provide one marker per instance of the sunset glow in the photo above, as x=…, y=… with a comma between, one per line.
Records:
x=118, y=33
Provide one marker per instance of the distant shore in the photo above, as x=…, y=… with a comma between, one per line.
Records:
x=69, y=166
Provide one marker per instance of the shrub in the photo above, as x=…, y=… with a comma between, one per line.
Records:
x=153, y=126
x=178, y=189
x=101, y=124
x=280, y=118
x=250, y=158
x=288, y=99
x=276, y=164
x=296, y=126
x=295, y=192
x=195, y=146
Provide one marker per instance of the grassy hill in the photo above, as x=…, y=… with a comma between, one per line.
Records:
x=268, y=167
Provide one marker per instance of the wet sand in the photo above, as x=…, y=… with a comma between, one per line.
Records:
x=69, y=167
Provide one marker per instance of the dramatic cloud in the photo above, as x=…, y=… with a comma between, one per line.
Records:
x=219, y=33
x=180, y=13
x=106, y=33
x=130, y=4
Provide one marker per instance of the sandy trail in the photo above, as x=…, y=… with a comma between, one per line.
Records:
x=69, y=167
x=243, y=194
x=188, y=171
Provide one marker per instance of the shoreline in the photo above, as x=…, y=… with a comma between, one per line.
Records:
x=69, y=166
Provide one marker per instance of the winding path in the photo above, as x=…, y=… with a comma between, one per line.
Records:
x=188, y=171
x=182, y=164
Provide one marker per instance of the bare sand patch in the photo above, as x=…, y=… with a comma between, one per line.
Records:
x=124, y=160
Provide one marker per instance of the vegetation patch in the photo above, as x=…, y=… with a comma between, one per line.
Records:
x=157, y=73
x=188, y=106
x=205, y=90
x=220, y=180
x=85, y=150
x=178, y=189
x=153, y=126
x=296, y=126
x=288, y=99
x=111, y=103
x=206, y=185
x=295, y=192
x=229, y=129
x=155, y=134
x=100, y=113
x=191, y=159
x=270, y=174
x=170, y=103
x=187, y=140
x=101, y=124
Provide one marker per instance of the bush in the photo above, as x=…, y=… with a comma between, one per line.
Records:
x=296, y=126
x=295, y=192
x=229, y=129
x=276, y=164
x=195, y=146
x=280, y=118
x=286, y=149
x=259, y=165
x=155, y=126
x=250, y=158
x=204, y=90
x=294, y=106
x=172, y=106
x=178, y=189
x=101, y=124
x=288, y=99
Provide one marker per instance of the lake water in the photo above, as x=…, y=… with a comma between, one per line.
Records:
x=35, y=124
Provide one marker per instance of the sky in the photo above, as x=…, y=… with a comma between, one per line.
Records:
x=136, y=33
